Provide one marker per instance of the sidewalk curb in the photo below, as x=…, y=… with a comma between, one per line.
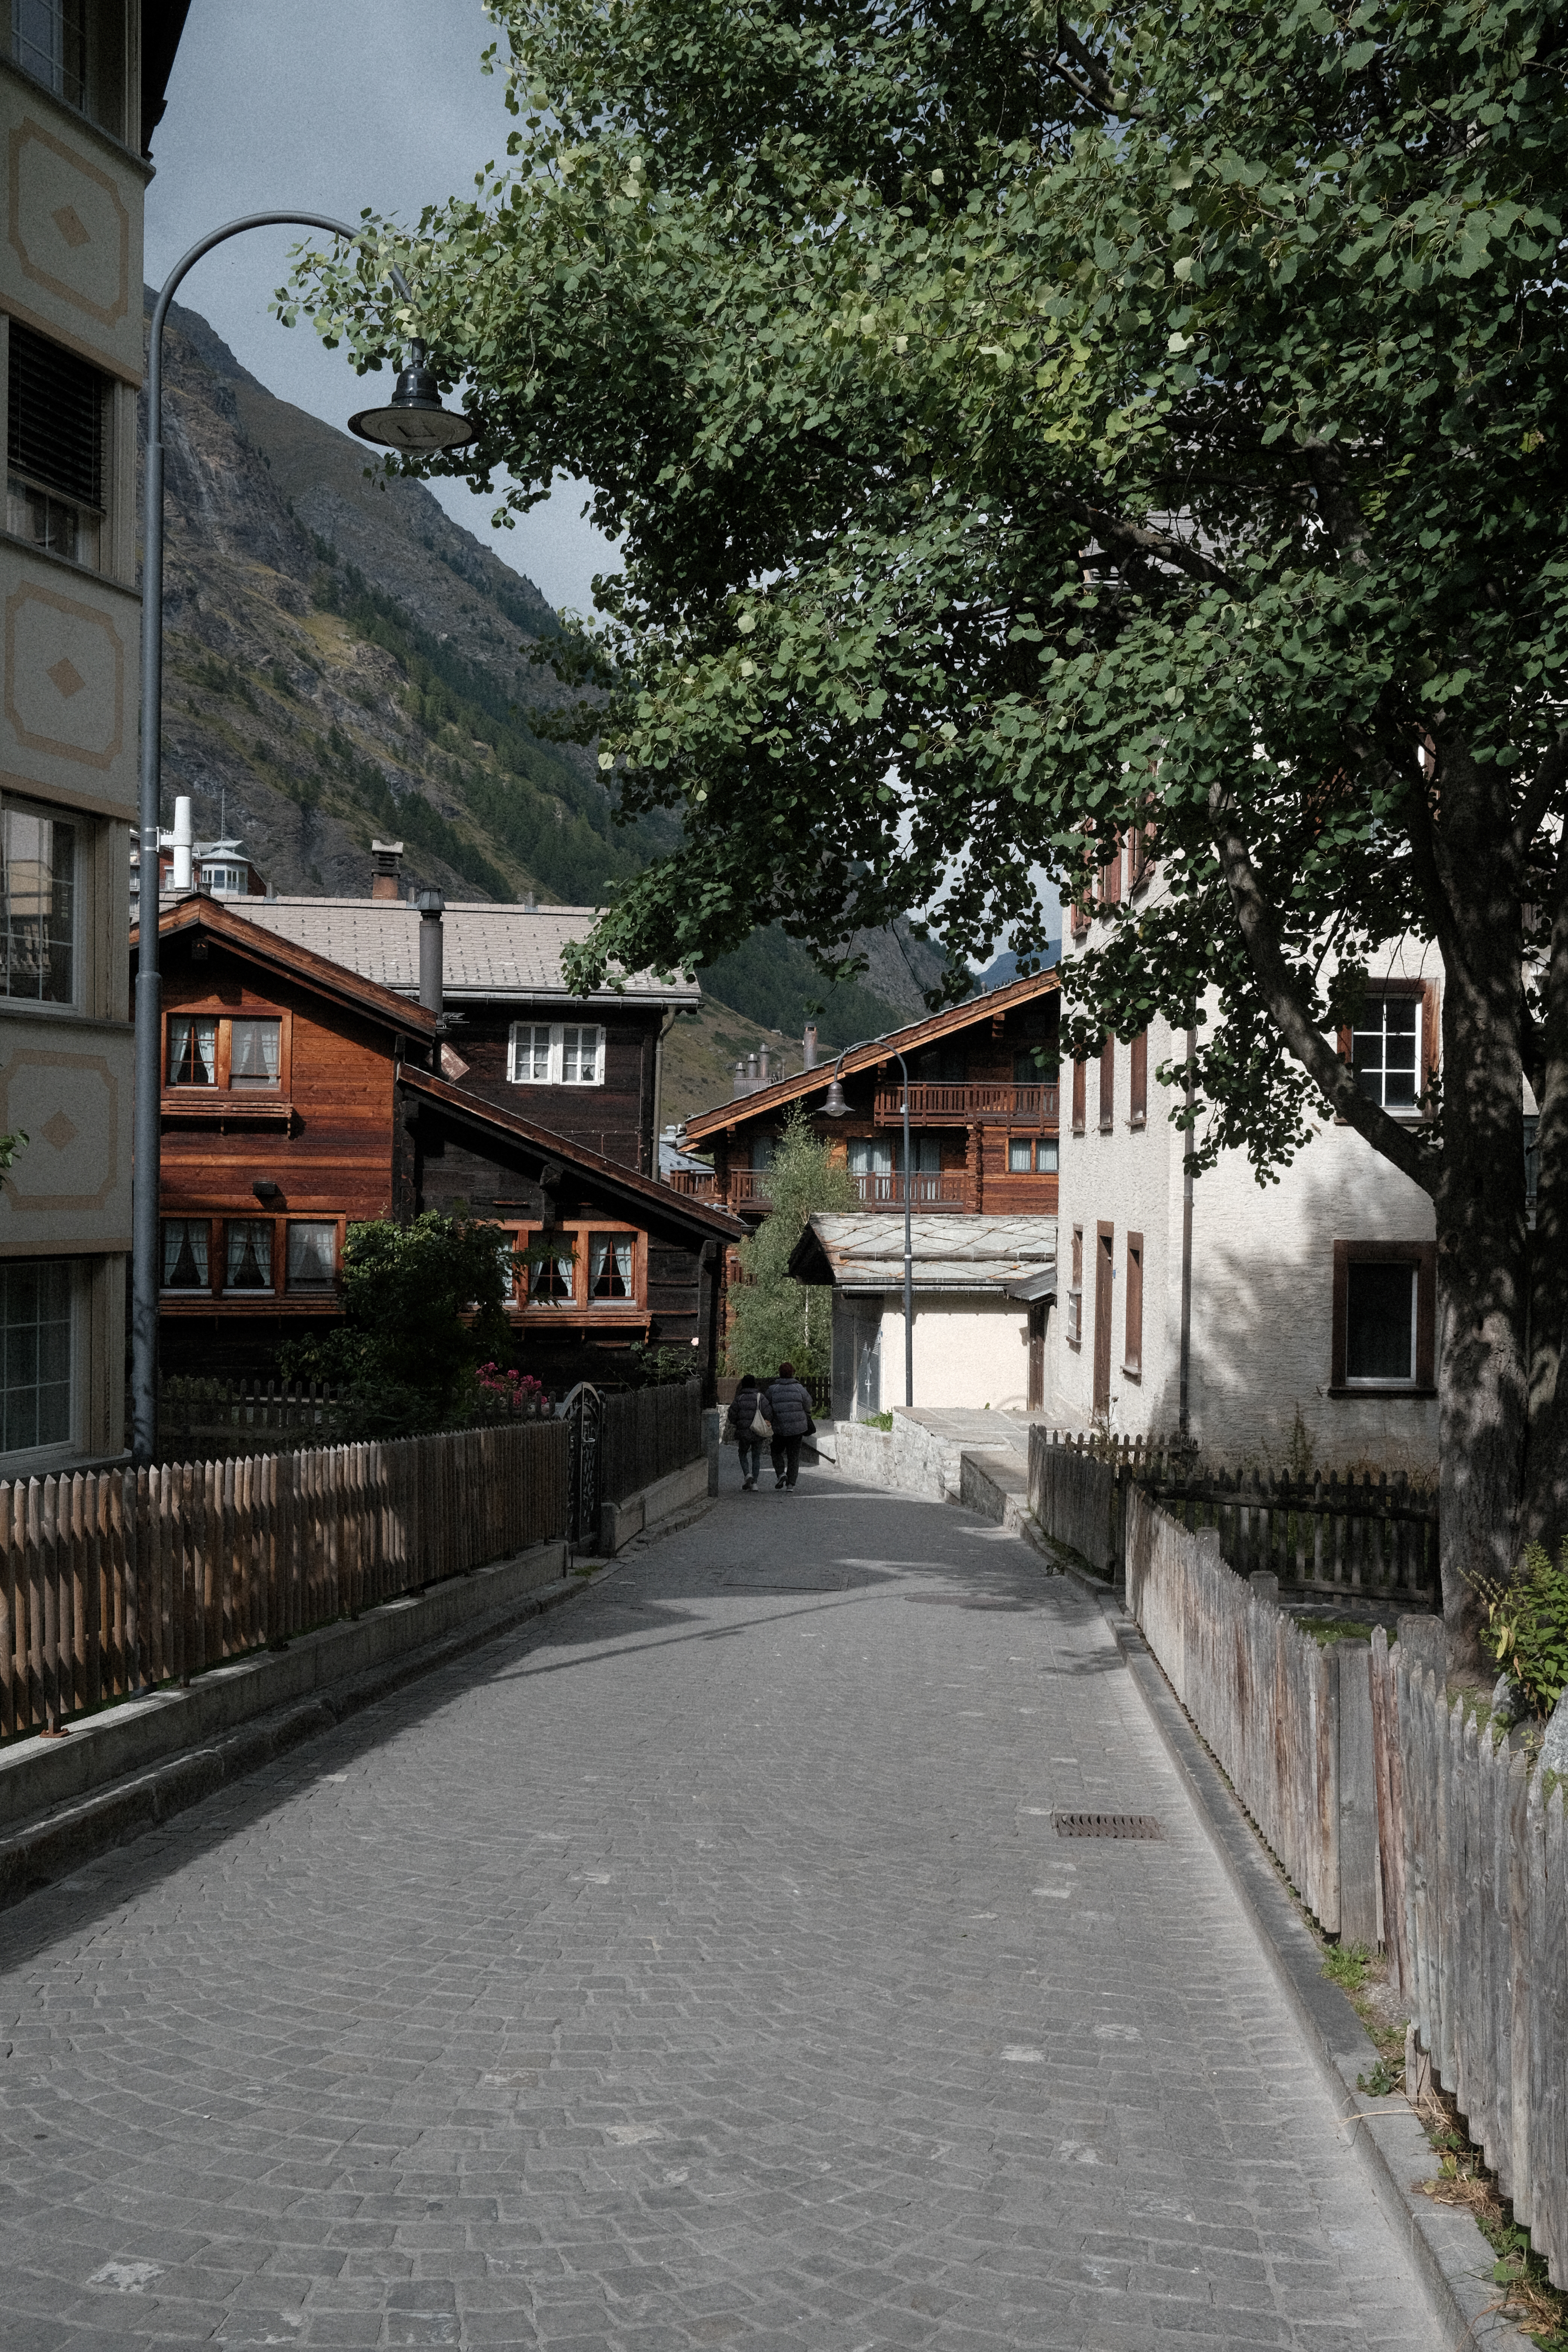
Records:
x=1452, y=2258
x=70, y=1834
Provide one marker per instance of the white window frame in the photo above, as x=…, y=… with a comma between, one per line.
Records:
x=1388, y=1379
x=52, y=1007
x=38, y=1460
x=1075, y=1317
x=556, y=1033
x=1381, y=991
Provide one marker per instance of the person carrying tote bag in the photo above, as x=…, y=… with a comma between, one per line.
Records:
x=749, y=1419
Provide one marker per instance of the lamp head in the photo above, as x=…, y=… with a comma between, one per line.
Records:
x=835, y=1105
x=416, y=421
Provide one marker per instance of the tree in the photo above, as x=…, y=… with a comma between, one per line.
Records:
x=1024, y=425
x=422, y=1307
x=773, y=1318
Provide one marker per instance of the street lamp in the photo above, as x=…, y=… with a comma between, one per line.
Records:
x=834, y=1106
x=415, y=422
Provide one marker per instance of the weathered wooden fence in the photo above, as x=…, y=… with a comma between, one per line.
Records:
x=206, y=1419
x=1370, y=1535
x=1290, y=1721
x=114, y=1581
x=1401, y=1824
x=1478, y=1852
x=645, y=1434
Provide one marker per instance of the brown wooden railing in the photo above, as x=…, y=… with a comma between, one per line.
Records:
x=695, y=1184
x=957, y=1106
x=944, y=1191
x=749, y=1183
x=113, y=1582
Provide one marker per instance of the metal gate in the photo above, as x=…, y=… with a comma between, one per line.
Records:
x=584, y=1411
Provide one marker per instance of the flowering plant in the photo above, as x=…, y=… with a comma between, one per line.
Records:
x=520, y=1392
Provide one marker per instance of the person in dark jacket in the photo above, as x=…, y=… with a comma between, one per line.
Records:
x=750, y=1399
x=789, y=1408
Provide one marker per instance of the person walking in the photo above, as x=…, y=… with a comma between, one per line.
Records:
x=789, y=1409
x=749, y=1407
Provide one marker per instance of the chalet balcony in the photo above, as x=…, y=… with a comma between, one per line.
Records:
x=969, y=1105
x=692, y=1183
x=945, y=1191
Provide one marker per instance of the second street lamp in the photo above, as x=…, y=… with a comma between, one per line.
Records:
x=835, y=1105
x=415, y=422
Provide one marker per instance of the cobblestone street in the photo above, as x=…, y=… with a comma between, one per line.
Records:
x=699, y=1967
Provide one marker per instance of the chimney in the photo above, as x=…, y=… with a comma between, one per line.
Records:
x=432, y=906
x=763, y=1069
x=751, y=1067
x=810, y=1046
x=181, y=878
x=530, y=902
x=384, y=881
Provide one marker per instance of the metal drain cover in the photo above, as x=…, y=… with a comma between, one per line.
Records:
x=1107, y=1825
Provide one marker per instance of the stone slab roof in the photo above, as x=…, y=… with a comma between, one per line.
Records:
x=488, y=951
x=865, y=1252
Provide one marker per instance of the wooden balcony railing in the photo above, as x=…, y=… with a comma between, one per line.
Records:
x=954, y=1105
x=696, y=1184
x=939, y=1191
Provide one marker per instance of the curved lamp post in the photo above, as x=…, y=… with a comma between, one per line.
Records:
x=414, y=422
x=834, y=1106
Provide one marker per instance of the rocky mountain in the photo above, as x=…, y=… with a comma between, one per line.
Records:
x=342, y=661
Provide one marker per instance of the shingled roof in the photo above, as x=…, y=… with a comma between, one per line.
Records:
x=488, y=951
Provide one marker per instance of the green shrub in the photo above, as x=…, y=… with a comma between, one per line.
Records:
x=1526, y=1629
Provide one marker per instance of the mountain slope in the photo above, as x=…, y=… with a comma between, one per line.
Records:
x=342, y=661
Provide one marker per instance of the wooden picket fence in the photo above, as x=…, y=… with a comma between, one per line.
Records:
x=113, y=1582
x=1372, y=1536
x=1476, y=1855
x=645, y=1434
x=1401, y=1824
x=209, y=1419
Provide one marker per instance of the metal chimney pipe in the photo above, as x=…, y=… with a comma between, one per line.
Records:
x=184, y=842
x=811, y=1044
x=432, y=906
x=763, y=1068
x=752, y=1066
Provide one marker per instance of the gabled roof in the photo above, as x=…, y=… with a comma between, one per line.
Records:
x=222, y=919
x=487, y=951
x=929, y=1032
x=673, y=1208
x=949, y=1253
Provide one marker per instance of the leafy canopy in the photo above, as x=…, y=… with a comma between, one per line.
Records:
x=1022, y=425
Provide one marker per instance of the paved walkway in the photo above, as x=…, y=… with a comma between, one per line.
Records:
x=704, y=1970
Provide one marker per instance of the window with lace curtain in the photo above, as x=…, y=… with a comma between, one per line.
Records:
x=611, y=1260
x=248, y=1254
x=239, y=1053
x=185, y=1254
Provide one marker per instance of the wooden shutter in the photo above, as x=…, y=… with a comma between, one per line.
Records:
x=1109, y=889
x=1133, y=1337
x=1140, y=1079
x=1079, y=1090
x=1104, y=1281
x=1107, y=1085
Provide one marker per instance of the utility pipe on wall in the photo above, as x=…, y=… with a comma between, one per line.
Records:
x=1182, y=1414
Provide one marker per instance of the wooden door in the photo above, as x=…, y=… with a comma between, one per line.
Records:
x=1037, y=1314
x=1104, y=1276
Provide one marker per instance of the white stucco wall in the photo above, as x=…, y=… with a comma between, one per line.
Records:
x=1262, y=1280
x=971, y=1348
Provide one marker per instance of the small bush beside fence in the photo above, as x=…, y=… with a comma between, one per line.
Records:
x=119, y=1580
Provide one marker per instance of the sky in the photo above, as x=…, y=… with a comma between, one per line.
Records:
x=332, y=106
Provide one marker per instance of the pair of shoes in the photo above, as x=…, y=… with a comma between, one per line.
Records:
x=747, y=1483
x=778, y=1485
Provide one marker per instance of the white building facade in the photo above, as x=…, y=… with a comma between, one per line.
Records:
x=1309, y=1330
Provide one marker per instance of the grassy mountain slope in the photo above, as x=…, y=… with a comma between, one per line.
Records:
x=342, y=661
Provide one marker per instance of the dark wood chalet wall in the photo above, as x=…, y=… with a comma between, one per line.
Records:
x=616, y=1119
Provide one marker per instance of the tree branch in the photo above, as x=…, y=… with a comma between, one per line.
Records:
x=1333, y=1079
x=1173, y=551
x=1091, y=81
x=1538, y=800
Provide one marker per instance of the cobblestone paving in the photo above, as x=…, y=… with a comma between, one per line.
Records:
x=701, y=1969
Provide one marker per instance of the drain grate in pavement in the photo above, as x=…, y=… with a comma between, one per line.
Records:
x=1107, y=1825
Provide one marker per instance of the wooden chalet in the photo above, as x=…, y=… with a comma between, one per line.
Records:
x=983, y=1114
x=301, y=1095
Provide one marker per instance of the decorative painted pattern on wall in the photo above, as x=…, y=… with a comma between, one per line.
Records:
x=72, y=261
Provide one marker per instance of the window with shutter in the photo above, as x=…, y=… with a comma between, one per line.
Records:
x=1133, y=1336
x=55, y=411
x=1106, y=1086
x=528, y=1062
x=1079, y=1090
x=1138, y=1075
x=1074, y=1292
